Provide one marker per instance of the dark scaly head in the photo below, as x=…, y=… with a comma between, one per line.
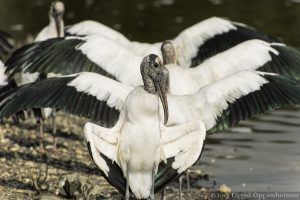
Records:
x=156, y=80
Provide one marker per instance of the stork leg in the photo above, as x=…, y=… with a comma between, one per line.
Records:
x=187, y=177
x=162, y=197
x=152, y=196
x=39, y=119
x=188, y=186
x=180, y=187
x=41, y=134
x=53, y=115
x=127, y=193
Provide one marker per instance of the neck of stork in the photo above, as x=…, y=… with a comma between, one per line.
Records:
x=169, y=58
x=156, y=81
x=148, y=84
x=57, y=25
x=169, y=53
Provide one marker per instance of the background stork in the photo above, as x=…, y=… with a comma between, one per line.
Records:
x=55, y=29
x=218, y=105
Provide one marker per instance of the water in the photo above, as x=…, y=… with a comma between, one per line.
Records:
x=259, y=155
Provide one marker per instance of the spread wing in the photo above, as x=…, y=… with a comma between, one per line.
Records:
x=102, y=145
x=181, y=148
x=252, y=55
x=76, y=54
x=211, y=36
x=184, y=143
x=194, y=44
x=86, y=94
x=89, y=27
x=242, y=95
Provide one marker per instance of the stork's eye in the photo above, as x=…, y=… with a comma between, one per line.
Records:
x=156, y=65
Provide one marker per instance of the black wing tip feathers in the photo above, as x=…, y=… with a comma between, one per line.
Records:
x=6, y=44
x=224, y=41
x=56, y=93
x=280, y=91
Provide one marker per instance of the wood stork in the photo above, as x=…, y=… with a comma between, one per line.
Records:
x=137, y=118
x=194, y=44
x=104, y=56
x=55, y=29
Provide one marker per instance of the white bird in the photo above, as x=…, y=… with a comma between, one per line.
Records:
x=101, y=55
x=194, y=44
x=56, y=23
x=137, y=118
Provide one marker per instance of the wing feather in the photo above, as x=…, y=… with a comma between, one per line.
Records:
x=101, y=141
x=184, y=143
x=84, y=94
x=89, y=27
x=5, y=44
x=225, y=102
x=75, y=54
x=211, y=36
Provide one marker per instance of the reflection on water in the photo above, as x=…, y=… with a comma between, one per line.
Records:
x=259, y=155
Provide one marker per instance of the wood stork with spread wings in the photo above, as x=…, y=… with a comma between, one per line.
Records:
x=101, y=55
x=56, y=22
x=150, y=143
x=193, y=45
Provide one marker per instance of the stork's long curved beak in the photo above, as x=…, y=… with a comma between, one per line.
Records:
x=161, y=84
x=58, y=17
